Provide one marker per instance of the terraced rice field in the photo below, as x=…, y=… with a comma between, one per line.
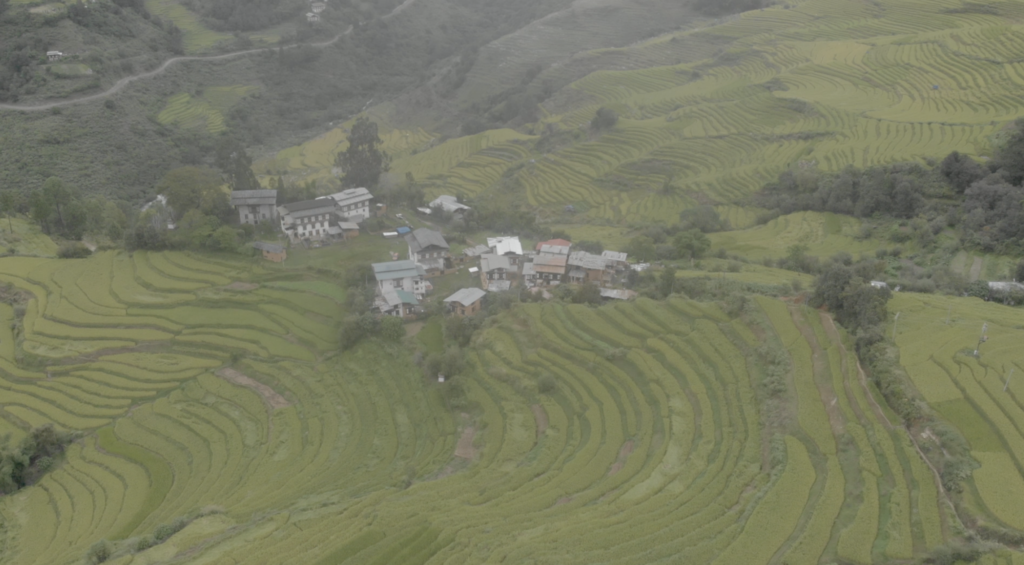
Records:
x=629, y=433
x=205, y=111
x=937, y=336
x=824, y=234
x=716, y=112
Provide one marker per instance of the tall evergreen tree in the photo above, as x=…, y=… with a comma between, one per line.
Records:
x=363, y=162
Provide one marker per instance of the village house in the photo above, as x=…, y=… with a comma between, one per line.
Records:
x=396, y=302
x=466, y=301
x=616, y=260
x=549, y=269
x=529, y=274
x=353, y=205
x=307, y=220
x=312, y=18
x=254, y=206
x=586, y=267
x=271, y=251
x=317, y=7
x=345, y=230
x=400, y=275
x=449, y=204
x=54, y=56
x=554, y=247
x=473, y=253
x=428, y=249
x=495, y=268
x=506, y=246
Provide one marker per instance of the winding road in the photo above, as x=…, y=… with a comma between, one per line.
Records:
x=120, y=84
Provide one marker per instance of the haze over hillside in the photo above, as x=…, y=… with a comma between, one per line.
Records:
x=546, y=281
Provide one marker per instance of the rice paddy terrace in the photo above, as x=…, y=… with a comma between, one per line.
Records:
x=980, y=395
x=709, y=115
x=633, y=433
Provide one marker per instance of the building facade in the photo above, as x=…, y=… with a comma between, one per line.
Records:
x=307, y=220
x=255, y=206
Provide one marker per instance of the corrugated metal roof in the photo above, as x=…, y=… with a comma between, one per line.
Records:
x=587, y=260
x=397, y=270
x=448, y=203
x=548, y=249
x=617, y=293
x=423, y=238
x=253, y=197
x=555, y=242
x=505, y=245
x=614, y=255
x=476, y=251
x=466, y=296
x=490, y=262
x=271, y=247
x=351, y=196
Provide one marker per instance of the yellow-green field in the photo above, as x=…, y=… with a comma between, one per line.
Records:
x=628, y=433
x=937, y=336
x=205, y=111
x=823, y=234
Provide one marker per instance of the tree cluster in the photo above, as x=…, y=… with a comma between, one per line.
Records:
x=668, y=244
x=23, y=464
x=363, y=162
x=892, y=190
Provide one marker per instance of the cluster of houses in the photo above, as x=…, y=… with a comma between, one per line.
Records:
x=502, y=263
x=333, y=217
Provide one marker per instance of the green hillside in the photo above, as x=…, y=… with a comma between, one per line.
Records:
x=629, y=433
x=708, y=115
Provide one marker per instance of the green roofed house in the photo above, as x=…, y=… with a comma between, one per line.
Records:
x=396, y=302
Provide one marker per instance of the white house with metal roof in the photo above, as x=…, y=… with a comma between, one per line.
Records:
x=254, y=206
x=401, y=275
x=353, y=204
x=309, y=219
x=506, y=246
x=449, y=204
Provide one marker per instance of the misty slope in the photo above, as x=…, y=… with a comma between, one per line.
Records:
x=709, y=115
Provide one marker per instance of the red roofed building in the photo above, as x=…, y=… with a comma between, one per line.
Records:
x=556, y=242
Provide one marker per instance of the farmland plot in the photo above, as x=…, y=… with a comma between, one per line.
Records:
x=615, y=434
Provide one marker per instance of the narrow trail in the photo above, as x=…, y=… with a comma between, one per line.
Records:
x=122, y=83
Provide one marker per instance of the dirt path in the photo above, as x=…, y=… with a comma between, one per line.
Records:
x=541, y=417
x=464, y=448
x=270, y=396
x=122, y=83
x=976, y=269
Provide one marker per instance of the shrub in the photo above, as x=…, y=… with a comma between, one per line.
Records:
x=604, y=118
x=73, y=250
x=99, y=552
x=392, y=328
